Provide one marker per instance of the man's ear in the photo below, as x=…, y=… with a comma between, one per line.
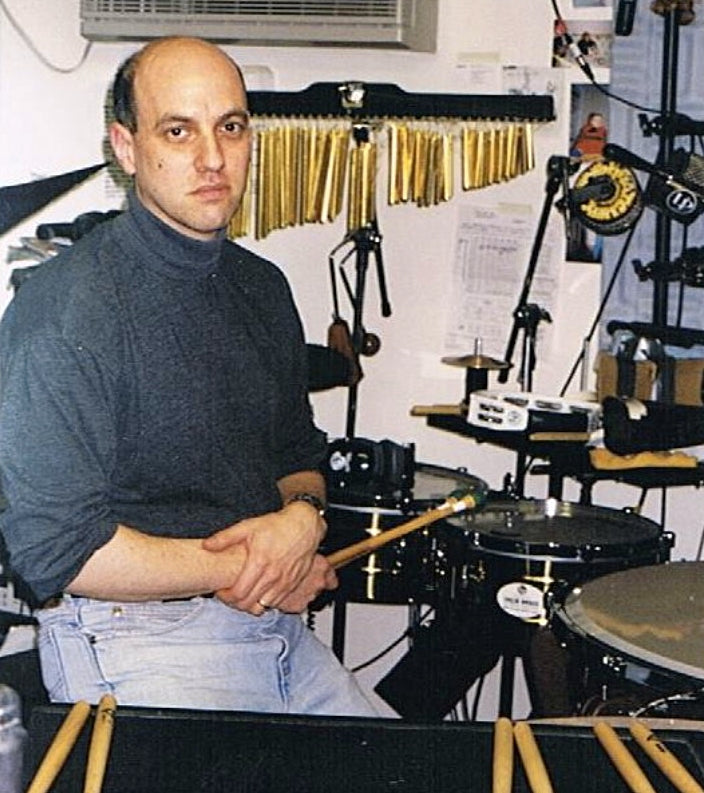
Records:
x=122, y=143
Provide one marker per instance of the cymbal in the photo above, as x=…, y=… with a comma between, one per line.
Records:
x=475, y=362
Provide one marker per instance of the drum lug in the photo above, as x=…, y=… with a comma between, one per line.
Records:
x=615, y=663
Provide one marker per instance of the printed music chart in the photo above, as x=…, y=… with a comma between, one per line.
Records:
x=492, y=254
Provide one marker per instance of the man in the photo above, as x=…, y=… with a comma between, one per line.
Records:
x=157, y=449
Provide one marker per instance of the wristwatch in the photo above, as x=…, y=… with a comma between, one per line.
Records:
x=308, y=498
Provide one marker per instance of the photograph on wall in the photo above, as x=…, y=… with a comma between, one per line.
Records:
x=593, y=38
x=589, y=130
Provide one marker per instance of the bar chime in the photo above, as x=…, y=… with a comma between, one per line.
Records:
x=303, y=168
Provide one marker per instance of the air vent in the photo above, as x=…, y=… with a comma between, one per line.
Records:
x=400, y=24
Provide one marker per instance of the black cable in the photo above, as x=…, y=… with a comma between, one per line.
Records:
x=601, y=308
x=405, y=635
x=568, y=38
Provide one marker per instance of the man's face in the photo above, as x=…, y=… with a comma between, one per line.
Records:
x=190, y=153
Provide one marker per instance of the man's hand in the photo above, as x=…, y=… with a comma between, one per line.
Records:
x=280, y=548
x=320, y=577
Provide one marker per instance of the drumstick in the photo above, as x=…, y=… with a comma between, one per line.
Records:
x=502, y=776
x=664, y=759
x=624, y=761
x=533, y=764
x=371, y=544
x=100, y=744
x=59, y=748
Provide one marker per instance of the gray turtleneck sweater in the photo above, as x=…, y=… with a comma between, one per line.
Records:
x=147, y=379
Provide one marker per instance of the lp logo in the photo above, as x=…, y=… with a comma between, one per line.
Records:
x=681, y=202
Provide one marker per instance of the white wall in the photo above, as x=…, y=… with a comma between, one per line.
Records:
x=51, y=122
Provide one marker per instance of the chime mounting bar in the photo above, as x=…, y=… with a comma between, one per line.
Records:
x=355, y=99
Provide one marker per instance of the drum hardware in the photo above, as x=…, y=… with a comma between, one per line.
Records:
x=357, y=465
x=371, y=568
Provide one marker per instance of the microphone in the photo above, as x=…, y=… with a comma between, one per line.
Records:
x=579, y=58
x=612, y=151
x=676, y=190
x=625, y=14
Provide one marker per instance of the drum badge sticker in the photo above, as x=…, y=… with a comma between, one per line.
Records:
x=521, y=600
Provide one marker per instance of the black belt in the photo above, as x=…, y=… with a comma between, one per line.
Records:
x=57, y=600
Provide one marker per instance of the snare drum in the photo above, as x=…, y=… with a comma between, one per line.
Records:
x=638, y=638
x=419, y=568
x=526, y=553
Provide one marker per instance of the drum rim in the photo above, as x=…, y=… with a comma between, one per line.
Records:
x=596, y=559
x=413, y=506
x=518, y=547
x=614, y=643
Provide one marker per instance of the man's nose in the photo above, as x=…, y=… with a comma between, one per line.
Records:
x=210, y=156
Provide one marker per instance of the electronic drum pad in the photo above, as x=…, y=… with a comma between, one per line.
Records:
x=612, y=209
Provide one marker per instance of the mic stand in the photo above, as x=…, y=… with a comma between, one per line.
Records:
x=367, y=240
x=526, y=319
x=526, y=316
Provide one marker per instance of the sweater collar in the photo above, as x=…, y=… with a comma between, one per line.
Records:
x=169, y=251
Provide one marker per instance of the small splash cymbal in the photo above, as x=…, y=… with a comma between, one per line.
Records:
x=475, y=361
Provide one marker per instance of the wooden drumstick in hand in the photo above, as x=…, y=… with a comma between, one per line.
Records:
x=624, y=761
x=664, y=759
x=100, y=744
x=364, y=547
x=502, y=774
x=60, y=748
x=533, y=764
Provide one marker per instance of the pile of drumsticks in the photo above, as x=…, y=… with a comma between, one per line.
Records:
x=506, y=732
x=66, y=737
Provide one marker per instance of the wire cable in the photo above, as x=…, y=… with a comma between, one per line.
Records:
x=35, y=50
x=405, y=635
x=568, y=38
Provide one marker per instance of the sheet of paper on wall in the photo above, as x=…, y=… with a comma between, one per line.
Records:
x=477, y=73
x=492, y=254
x=530, y=80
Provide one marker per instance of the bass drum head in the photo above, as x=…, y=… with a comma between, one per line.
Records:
x=639, y=634
x=417, y=568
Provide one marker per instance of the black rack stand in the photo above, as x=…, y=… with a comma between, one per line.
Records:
x=357, y=100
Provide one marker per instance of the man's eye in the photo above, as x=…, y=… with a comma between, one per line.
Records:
x=234, y=127
x=175, y=132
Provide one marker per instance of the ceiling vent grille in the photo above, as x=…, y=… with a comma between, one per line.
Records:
x=400, y=24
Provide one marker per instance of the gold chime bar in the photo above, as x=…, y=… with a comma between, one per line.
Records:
x=302, y=169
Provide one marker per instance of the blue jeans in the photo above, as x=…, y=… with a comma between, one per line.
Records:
x=197, y=654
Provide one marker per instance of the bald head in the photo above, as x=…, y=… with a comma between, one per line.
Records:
x=172, y=54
